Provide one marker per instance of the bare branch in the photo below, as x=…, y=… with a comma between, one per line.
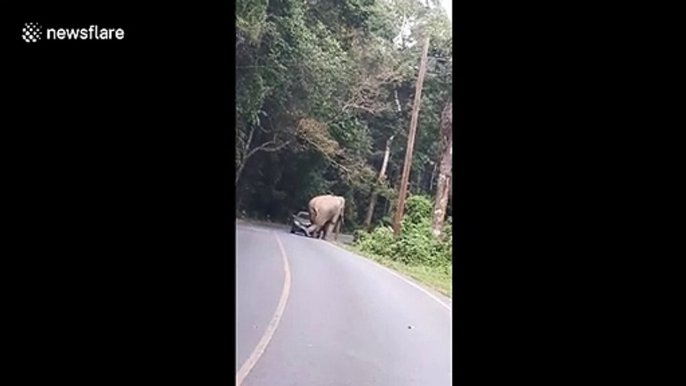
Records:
x=269, y=147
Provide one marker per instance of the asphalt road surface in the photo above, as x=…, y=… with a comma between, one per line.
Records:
x=311, y=314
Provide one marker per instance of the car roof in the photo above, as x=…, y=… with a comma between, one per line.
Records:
x=303, y=214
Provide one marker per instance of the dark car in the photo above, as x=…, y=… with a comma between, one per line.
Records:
x=300, y=223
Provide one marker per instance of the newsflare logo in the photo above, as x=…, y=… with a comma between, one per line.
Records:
x=33, y=32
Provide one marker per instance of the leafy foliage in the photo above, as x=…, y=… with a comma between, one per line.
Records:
x=321, y=85
x=416, y=245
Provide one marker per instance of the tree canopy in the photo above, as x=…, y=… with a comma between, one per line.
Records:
x=321, y=86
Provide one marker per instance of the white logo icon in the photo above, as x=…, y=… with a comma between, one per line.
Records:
x=31, y=32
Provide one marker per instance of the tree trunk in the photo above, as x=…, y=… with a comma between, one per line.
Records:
x=240, y=170
x=443, y=187
x=244, y=156
x=381, y=179
x=433, y=176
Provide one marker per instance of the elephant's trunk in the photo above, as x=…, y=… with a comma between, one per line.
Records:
x=311, y=228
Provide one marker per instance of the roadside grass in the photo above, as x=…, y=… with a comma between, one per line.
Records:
x=433, y=277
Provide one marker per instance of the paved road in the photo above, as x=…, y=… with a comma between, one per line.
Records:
x=342, y=238
x=311, y=314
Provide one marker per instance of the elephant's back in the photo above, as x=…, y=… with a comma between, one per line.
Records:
x=323, y=208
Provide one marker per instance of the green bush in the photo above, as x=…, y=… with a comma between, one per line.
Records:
x=416, y=245
x=379, y=241
x=418, y=209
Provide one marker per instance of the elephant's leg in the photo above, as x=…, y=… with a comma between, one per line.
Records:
x=329, y=228
x=337, y=229
x=336, y=226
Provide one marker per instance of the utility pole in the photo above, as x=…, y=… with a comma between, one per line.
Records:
x=410, y=140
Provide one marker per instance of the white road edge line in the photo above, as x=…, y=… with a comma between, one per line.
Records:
x=271, y=328
x=432, y=296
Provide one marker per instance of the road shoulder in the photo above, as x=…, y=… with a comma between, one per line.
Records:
x=441, y=298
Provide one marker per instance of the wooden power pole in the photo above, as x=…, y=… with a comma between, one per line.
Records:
x=410, y=140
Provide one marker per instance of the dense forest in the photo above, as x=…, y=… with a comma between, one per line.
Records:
x=324, y=94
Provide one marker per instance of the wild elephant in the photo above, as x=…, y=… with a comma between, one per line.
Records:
x=326, y=213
